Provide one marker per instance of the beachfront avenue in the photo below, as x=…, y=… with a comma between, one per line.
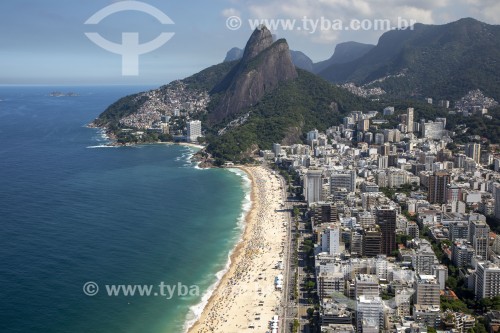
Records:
x=168, y=291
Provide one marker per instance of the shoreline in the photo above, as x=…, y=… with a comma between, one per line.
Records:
x=187, y=144
x=172, y=143
x=111, y=139
x=245, y=297
x=207, y=297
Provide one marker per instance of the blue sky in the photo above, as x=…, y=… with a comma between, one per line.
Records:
x=43, y=42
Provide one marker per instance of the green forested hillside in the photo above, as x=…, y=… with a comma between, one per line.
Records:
x=297, y=106
x=439, y=61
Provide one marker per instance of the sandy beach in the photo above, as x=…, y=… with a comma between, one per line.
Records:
x=188, y=144
x=246, y=299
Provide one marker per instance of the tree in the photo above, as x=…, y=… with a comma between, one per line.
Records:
x=165, y=137
x=296, y=326
x=490, y=303
x=453, y=270
x=454, y=305
x=388, y=192
x=310, y=285
x=402, y=239
x=452, y=283
x=480, y=326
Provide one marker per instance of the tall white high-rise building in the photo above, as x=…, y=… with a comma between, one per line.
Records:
x=441, y=273
x=433, y=130
x=330, y=240
x=426, y=290
x=479, y=237
x=473, y=150
x=389, y=111
x=402, y=300
x=276, y=149
x=383, y=162
x=409, y=120
x=345, y=179
x=312, y=135
x=366, y=285
x=487, y=280
x=379, y=138
x=369, y=314
x=193, y=130
x=381, y=267
x=313, y=185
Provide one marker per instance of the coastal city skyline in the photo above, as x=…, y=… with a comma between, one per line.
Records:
x=250, y=166
x=46, y=43
x=390, y=207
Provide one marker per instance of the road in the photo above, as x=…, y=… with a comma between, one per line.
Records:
x=287, y=314
x=292, y=309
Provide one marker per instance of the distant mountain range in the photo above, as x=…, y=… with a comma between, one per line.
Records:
x=344, y=52
x=439, y=61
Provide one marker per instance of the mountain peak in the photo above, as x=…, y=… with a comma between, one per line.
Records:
x=468, y=20
x=260, y=40
x=264, y=66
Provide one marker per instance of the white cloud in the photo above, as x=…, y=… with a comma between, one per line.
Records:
x=326, y=37
x=228, y=12
x=419, y=15
x=345, y=10
x=484, y=10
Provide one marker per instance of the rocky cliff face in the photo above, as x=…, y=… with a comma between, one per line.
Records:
x=263, y=67
x=260, y=40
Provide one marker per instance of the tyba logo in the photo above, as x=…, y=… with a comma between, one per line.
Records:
x=130, y=49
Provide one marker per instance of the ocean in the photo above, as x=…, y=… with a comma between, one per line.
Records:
x=74, y=212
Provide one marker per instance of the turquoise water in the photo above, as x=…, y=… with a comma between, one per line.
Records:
x=73, y=212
